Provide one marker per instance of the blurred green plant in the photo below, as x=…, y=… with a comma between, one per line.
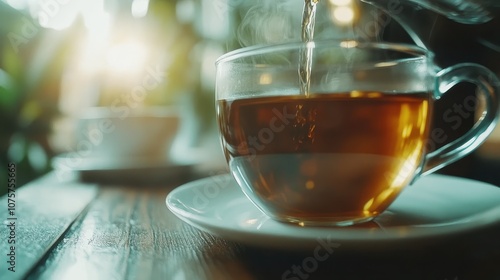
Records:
x=33, y=60
x=30, y=67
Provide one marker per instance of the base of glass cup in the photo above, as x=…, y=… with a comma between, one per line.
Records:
x=323, y=222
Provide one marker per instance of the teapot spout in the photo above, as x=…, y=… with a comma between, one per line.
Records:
x=417, y=17
x=461, y=11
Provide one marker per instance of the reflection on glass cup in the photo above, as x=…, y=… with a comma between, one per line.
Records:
x=340, y=153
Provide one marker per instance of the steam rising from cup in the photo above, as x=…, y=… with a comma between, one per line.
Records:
x=268, y=22
x=279, y=21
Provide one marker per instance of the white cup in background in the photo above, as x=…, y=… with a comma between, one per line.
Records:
x=136, y=136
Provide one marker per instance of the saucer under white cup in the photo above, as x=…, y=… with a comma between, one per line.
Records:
x=124, y=147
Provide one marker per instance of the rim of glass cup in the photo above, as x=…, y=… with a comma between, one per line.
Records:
x=415, y=50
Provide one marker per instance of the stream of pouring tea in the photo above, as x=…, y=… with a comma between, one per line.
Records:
x=307, y=35
x=305, y=116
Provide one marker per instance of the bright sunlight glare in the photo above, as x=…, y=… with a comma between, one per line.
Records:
x=140, y=8
x=341, y=2
x=343, y=15
x=98, y=24
x=126, y=57
x=17, y=4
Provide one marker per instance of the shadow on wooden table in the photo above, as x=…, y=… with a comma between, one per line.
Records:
x=472, y=256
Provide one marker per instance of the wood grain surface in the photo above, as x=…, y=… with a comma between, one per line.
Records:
x=44, y=210
x=126, y=232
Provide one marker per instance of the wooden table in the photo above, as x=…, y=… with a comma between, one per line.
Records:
x=66, y=229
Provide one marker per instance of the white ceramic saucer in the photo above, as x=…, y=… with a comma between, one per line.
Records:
x=435, y=206
x=120, y=170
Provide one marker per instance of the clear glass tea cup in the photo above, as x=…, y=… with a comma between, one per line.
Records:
x=340, y=152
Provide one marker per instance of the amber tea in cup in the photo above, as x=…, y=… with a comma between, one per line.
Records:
x=342, y=152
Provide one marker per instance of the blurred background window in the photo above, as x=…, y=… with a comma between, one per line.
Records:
x=61, y=57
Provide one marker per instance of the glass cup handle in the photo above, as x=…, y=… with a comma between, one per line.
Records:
x=488, y=87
